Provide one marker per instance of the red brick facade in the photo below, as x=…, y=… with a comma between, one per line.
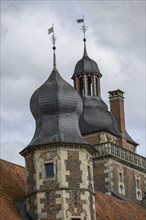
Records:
x=133, y=181
x=116, y=166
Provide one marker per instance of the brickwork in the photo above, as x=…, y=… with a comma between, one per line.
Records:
x=29, y=170
x=79, y=198
x=99, y=176
x=69, y=192
x=73, y=166
x=117, y=109
x=110, y=175
x=131, y=188
x=75, y=204
x=103, y=137
x=53, y=205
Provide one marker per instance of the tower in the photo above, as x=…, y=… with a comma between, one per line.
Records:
x=118, y=170
x=86, y=75
x=59, y=171
x=95, y=116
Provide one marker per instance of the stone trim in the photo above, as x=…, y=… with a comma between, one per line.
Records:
x=55, y=146
x=75, y=217
x=121, y=184
x=109, y=176
x=59, y=189
x=138, y=187
x=110, y=150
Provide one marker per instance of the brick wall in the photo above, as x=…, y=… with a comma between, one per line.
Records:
x=69, y=193
x=101, y=137
x=110, y=175
x=99, y=176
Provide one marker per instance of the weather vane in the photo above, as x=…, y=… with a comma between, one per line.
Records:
x=83, y=27
x=51, y=30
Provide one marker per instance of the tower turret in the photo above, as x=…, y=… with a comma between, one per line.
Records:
x=115, y=162
x=86, y=73
x=87, y=76
x=59, y=172
x=95, y=116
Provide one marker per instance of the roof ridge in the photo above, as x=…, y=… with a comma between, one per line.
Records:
x=12, y=163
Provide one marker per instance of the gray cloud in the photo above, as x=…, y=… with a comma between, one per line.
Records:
x=10, y=151
x=115, y=40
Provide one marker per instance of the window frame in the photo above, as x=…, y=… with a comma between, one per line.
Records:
x=138, y=183
x=138, y=195
x=45, y=166
x=121, y=177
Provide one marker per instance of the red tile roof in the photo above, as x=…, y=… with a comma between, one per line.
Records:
x=110, y=208
x=12, y=190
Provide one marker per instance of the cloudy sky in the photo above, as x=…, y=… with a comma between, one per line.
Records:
x=115, y=40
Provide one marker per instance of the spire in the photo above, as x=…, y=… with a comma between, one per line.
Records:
x=85, y=50
x=51, y=30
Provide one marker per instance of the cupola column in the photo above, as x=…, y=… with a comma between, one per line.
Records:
x=98, y=86
x=94, y=85
x=76, y=84
x=85, y=85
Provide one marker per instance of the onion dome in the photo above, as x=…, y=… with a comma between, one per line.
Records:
x=86, y=65
x=96, y=117
x=56, y=107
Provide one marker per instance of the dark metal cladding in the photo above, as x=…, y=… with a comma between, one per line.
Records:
x=86, y=65
x=56, y=107
x=129, y=139
x=96, y=117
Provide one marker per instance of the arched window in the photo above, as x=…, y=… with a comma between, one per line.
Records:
x=121, y=189
x=120, y=177
x=137, y=183
x=138, y=195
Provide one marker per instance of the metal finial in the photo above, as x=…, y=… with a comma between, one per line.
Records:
x=51, y=30
x=84, y=29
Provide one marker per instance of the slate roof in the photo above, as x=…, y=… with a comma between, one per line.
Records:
x=12, y=190
x=96, y=117
x=56, y=107
x=86, y=65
